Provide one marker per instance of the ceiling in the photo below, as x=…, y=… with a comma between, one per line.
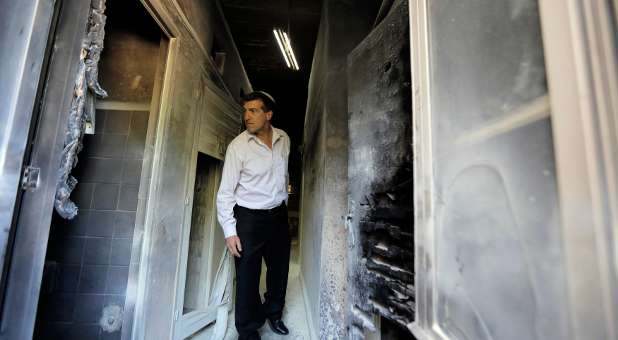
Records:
x=252, y=23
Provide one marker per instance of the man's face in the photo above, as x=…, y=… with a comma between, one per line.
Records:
x=255, y=118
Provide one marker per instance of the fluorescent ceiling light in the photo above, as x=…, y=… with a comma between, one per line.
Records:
x=291, y=51
x=286, y=49
x=285, y=56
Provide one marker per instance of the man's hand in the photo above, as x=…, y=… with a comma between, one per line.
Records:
x=233, y=245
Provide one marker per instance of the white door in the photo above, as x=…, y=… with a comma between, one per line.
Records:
x=510, y=242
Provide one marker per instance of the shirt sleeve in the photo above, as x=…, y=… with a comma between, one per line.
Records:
x=287, y=172
x=225, y=196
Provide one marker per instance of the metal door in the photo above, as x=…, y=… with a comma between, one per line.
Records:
x=24, y=38
x=25, y=267
x=489, y=257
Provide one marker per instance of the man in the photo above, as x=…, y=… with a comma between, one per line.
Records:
x=251, y=208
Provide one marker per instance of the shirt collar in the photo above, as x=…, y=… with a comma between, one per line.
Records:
x=276, y=135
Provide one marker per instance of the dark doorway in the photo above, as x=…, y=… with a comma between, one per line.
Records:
x=87, y=265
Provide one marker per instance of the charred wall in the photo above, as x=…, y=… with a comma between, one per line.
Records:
x=323, y=236
x=380, y=257
x=209, y=26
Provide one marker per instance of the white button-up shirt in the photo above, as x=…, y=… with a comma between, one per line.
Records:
x=254, y=176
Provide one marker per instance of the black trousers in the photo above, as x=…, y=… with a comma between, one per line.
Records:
x=263, y=234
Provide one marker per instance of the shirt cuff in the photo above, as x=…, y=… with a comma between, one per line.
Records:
x=229, y=231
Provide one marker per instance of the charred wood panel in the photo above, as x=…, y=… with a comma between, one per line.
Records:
x=380, y=177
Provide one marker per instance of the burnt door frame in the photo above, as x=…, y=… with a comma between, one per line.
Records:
x=191, y=323
x=34, y=215
x=153, y=300
x=155, y=108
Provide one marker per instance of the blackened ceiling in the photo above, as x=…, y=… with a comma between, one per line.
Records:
x=252, y=23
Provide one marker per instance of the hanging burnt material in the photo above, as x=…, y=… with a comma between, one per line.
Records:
x=87, y=88
x=380, y=223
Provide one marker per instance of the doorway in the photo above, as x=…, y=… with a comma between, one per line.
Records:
x=89, y=258
x=202, y=254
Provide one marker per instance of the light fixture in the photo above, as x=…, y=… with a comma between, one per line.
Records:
x=283, y=40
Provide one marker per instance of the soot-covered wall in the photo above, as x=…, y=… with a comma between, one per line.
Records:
x=324, y=204
x=380, y=257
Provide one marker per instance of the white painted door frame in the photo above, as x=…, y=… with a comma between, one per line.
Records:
x=582, y=72
x=194, y=321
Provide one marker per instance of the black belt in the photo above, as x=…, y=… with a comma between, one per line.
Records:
x=266, y=211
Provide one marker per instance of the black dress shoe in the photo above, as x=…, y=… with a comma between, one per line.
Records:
x=278, y=326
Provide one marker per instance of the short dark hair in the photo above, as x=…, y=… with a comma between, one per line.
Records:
x=267, y=99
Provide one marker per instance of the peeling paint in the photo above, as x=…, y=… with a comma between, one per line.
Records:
x=365, y=319
x=82, y=108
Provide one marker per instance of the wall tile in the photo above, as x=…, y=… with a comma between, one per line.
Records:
x=92, y=279
x=84, y=332
x=135, y=147
x=139, y=123
x=111, y=336
x=54, y=331
x=82, y=195
x=117, y=122
x=124, y=225
x=100, y=170
x=89, y=309
x=114, y=299
x=67, y=278
x=105, y=196
x=131, y=171
x=99, y=121
x=128, y=197
x=61, y=307
x=75, y=227
x=105, y=145
x=117, y=280
x=69, y=250
x=97, y=251
x=121, y=252
x=101, y=223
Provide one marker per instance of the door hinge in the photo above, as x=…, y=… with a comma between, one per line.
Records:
x=30, y=178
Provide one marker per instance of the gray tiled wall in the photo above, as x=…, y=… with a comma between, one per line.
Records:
x=88, y=257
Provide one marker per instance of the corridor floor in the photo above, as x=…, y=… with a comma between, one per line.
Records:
x=294, y=314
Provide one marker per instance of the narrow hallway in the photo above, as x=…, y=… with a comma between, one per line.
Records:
x=138, y=255
x=441, y=169
x=251, y=24
x=295, y=313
